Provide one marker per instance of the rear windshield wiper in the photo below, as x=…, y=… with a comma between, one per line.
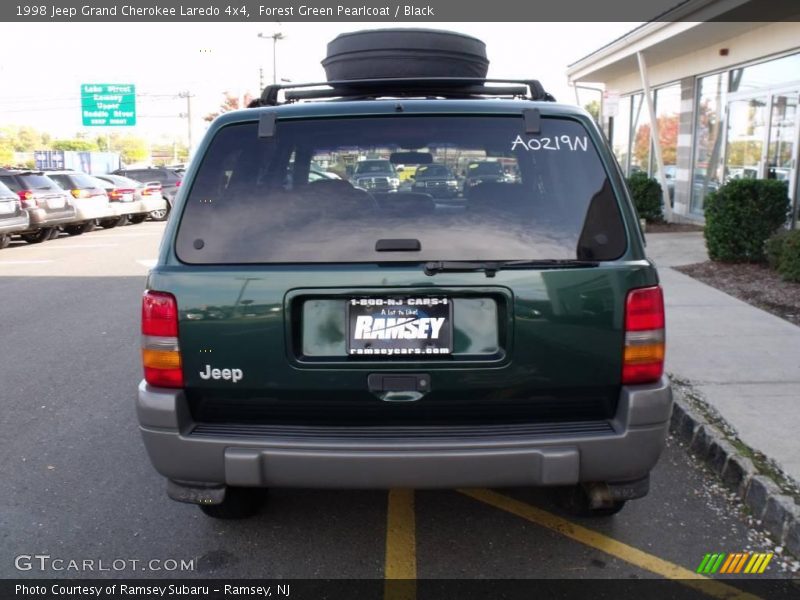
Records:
x=491, y=267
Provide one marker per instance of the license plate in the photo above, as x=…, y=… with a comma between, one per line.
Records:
x=55, y=202
x=6, y=208
x=400, y=327
x=127, y=197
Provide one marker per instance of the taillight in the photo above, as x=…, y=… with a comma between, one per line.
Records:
x=80, y=193
x=26, y=199
x=161, y=354
x=643, y=359
x=178, y=183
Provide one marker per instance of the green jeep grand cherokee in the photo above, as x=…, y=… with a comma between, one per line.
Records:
x=306, y=332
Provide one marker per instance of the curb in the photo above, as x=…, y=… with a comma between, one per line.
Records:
x=778, y=512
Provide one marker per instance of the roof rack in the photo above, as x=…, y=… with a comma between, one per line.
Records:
x=443, y=87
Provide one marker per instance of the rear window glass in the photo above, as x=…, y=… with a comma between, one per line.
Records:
x=148, y=175
x=430, y=171
x=38, y=182
x=120, y=181
x=5, y=190
x=548, y=196
x=11, y=182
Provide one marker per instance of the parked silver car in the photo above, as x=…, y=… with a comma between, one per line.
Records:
x=132, y=198
x=13, y=218
x=90, y=199
x=48, y=206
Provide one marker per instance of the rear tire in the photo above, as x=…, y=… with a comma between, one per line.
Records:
x=5, y=240
x=239, y=503
x=136, y=219
x=109, y=223
x=575, y=501
x=161, y=214
x=39, y=236
x=79, y=229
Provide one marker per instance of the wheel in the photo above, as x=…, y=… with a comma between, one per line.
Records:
x=109, y=223
x=56, y=231
x=5, y=240
x=239, y=503
x=410, y=53
x=38, y=236
x=161, y=214
x=136, y=219
x=79, y=229
x=123, y=220
x=575, y=500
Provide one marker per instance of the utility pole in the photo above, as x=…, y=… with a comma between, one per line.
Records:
x=275, y=37
x=188, y=115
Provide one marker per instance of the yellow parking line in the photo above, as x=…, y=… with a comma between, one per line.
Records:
x=608, y=545
x=401, y=547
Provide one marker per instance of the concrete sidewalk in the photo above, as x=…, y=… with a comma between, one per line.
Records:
x=745, y=362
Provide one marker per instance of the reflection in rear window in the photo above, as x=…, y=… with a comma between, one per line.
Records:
x=553, y=200
x=38, y=182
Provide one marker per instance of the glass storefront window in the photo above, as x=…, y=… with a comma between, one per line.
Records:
x=708, y=134
x=621, y=136
x=640, y=145
x=767, y=74
x=668, y=110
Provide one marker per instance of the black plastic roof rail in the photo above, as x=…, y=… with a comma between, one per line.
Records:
x=447, y=87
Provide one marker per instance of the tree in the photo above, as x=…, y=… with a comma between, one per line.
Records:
x=75, y=144
x=231, y=102
x=25, y=138
x=132, y=149
x=593, y=108
x=6, y=152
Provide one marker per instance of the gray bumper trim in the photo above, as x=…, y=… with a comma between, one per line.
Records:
x=626, y=451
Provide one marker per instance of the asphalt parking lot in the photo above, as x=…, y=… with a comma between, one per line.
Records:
x=78, y=486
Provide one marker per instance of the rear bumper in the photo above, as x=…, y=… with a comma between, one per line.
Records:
x=14, y=224
x=88, y=211
x=120, y=209
x=41, y=218
x=148, y=205
x=621, y=449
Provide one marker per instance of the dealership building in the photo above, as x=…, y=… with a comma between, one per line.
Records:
x=722, y=95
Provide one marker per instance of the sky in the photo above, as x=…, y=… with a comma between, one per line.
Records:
x=52, y=60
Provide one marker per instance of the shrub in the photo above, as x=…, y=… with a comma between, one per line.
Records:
x=741, y=215
x=647, y=197
x=789, y=265
x=773, y=248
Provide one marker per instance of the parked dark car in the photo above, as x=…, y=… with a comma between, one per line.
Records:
x=169, y=179
x=13, y=218
x=133, y=199
x=479, y=172
x=47, y=204
x=437, y=180
x=365, y=338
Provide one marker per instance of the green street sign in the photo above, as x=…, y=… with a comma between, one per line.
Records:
x=108, y=104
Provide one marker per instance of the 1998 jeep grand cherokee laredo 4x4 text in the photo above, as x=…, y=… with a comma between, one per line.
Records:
x=315, y=334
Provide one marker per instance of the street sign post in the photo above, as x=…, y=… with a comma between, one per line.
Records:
x=108, y=104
